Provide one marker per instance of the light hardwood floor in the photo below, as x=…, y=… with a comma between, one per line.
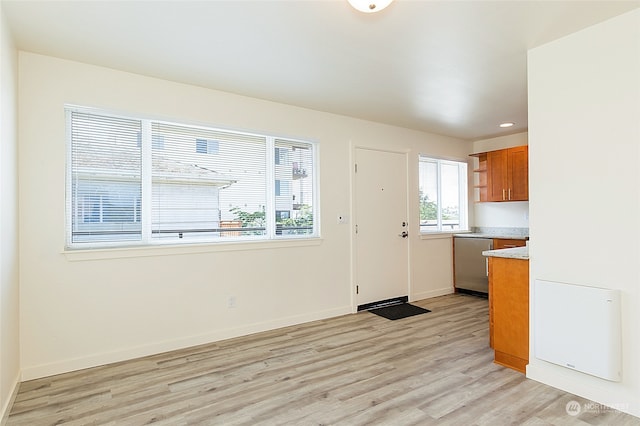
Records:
x=361, y=369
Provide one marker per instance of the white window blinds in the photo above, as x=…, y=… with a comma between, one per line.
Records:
x=105, y=175
x=137, y=181
x=198, y=191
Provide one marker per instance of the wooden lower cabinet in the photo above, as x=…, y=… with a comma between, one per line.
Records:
x=502, y=243
x=509, y=311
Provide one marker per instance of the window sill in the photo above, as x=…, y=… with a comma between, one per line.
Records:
x=439, y=235
x=75, y=255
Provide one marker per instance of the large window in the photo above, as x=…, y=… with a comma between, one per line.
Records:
x=443, y=195
x=139, y=181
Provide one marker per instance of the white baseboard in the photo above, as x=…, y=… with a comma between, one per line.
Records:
x=65, y=366
x=6, y=408
x=431, y=293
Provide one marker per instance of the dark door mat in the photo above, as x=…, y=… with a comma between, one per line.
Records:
x=402, y=310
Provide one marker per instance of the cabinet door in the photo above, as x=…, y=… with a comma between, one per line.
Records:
x=518, y=174
x=509, y=294
x=502, y=243
x=497, y=175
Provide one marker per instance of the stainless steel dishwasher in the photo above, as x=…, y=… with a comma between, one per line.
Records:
x=471, y=272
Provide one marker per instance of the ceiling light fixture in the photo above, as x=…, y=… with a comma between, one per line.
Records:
x=369, y=6
x=507, y=124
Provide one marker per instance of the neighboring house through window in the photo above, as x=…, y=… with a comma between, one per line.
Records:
x=281, y=155
x=138, y=181
x=206, y=146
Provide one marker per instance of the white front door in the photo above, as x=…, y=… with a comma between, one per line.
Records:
x=382, y=253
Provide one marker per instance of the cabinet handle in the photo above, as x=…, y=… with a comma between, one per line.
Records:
x=503, y=195
x=509, y=193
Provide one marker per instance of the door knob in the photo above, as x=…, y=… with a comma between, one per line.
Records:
x=404, y=234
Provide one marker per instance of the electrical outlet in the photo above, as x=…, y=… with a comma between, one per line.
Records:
x=231, y=302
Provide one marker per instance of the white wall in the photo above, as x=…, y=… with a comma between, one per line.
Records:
x=77, y=313
x=9, y=291
x=498, y=215
x=584, y=140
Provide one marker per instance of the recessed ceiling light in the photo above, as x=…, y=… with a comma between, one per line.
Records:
x=508, y=124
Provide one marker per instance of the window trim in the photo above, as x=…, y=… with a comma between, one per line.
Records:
x=267, y=240
x=463, y=198
x=124, y=252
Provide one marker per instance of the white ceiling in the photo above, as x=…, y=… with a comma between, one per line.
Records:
x=456, y=68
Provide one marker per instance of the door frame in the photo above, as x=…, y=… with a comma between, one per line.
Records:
x=353, y=213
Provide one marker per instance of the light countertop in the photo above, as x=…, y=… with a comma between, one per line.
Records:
x=510, y=253
x=491, y=235
x=507, y=233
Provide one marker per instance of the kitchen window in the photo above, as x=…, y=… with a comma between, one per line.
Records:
x=133, y=181
x=443, y=195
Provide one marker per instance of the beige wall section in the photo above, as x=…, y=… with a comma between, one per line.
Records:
x=9, y=290
x=584, y=147
x=75, y=314
x=427, y=279
x=511, y=214
x=501, y=142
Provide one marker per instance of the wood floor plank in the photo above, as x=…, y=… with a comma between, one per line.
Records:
x=360, y=369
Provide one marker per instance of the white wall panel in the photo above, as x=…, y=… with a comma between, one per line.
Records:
x=578, y=327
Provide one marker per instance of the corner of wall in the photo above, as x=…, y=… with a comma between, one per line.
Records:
x=10, y=373
x=6, y=408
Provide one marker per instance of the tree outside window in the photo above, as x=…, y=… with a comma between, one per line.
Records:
x=443, y=195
